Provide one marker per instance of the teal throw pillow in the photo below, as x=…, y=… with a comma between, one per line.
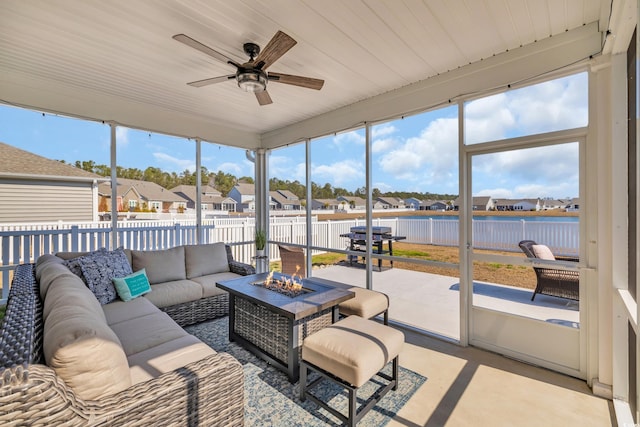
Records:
x=133, y=285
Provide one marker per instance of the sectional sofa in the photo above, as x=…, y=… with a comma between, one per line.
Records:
x=74, y=353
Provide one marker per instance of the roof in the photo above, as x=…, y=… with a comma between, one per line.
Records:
x=189, y=192
x=116, y=60
x=147, y=190
x=245, y=189
x=281, y=199
x=20, y=163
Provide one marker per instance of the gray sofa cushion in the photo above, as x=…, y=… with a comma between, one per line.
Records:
x=201, y=260
x=175, y=292
x=161, y=266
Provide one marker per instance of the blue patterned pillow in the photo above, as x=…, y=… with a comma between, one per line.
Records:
x=99, y=268
x=132, y=286
x=73, y=264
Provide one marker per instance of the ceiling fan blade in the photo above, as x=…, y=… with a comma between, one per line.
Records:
x=288, y=79
x=182, y=38
x=206, y=82
x=279, y=44
x=263, y=98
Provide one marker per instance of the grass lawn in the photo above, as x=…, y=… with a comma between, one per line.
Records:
x=505, y=274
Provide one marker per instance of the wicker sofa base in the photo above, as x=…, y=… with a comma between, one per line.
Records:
x=208, y=392
x=200, y=310
x=272, y=336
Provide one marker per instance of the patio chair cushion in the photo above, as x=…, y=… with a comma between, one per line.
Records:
x=542, y=252
x=205, y=259
x=84, y=351
x=132, y=286
x=175, y=292
x=162, y=266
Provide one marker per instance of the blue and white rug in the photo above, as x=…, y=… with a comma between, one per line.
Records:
x=271, y=400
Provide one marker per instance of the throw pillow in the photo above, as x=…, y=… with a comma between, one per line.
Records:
x=132, y=286
x=542, y=252
x=73, y=264
x=99, y=268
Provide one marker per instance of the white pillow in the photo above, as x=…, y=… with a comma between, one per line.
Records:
x=542, y=252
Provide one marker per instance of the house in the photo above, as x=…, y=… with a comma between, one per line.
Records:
x=433, y=205
x=36, y=189
x=412, y=203
x=244, y=195
x=210, y=199
x=136, y=195
x=551, y=204
x=391, y=202
x=352, y=202
x=574, y=205
x=479, y=203
x=526, y=205
x=325, y=204
x=285, y=200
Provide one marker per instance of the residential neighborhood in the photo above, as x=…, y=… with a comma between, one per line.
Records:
x=34, y=188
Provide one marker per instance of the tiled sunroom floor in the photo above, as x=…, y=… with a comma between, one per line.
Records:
x=468, y=386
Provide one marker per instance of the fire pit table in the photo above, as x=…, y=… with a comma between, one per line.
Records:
x=273, y=324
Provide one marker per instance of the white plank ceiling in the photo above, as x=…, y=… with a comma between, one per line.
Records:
x=116, y=60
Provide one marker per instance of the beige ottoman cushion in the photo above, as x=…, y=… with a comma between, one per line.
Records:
x=353, y=349
x=366, y=303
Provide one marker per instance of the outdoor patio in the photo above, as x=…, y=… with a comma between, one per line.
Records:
x=431, y=302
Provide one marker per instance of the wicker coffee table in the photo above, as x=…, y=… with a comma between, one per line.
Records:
x=273, y=325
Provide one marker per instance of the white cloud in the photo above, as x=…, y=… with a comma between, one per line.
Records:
x=231, y=168
x=382, y=130
x=347, y=173
x=550, y=171
x=179, y=165
x=282, y=167
x=348, y=138
x=430, y=157
x=383, y=145
x=122, y=136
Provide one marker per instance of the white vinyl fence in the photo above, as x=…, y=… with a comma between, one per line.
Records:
x=24, y=243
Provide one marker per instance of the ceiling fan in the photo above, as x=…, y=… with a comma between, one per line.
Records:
x=252, y=75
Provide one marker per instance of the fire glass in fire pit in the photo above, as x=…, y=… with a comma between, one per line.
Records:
x=290, y=286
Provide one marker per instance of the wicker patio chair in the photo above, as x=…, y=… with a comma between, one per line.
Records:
x=553, y=282
x=293, y=261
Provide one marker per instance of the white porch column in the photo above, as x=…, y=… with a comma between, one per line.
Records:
x=199, y=190
x=114, y=189
x=262, y=197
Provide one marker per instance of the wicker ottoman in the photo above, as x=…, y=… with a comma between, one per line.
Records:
x=351, y=352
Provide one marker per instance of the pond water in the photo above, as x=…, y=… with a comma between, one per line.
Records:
x=501, y=218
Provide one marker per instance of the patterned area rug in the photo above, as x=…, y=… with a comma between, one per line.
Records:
x=271, y=400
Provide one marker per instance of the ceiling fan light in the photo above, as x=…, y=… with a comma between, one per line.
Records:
x=252, y=81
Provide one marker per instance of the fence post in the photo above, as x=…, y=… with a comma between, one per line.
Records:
x=430, y=231
x=178, y=234
x=74, y=238
x=524, y=232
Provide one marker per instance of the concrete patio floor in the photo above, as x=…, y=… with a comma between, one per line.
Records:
x=468, y=386
x=430, y=302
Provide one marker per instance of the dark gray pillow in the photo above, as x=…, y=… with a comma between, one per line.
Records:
x=100, y=268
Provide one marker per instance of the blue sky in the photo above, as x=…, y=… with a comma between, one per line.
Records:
x=417, y=153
